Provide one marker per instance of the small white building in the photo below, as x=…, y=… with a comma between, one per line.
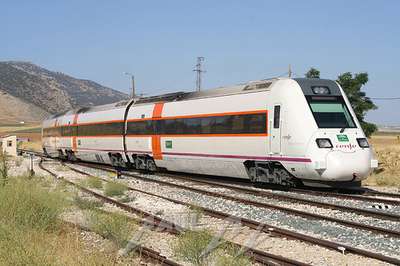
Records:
x=9, y=144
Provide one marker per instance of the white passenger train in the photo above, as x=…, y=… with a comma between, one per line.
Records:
x=282, y=131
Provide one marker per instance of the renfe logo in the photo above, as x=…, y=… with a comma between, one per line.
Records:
x=345, y=146
x=342, y=138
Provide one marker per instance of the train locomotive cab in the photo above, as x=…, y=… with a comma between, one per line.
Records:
x=339, y=151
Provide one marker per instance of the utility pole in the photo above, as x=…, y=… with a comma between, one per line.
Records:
x=133, y=84
x=199, y=71
x=290, y=71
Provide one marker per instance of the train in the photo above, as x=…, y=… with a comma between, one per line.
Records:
x=281, y=131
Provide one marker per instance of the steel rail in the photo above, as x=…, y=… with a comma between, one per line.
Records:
x=351, y=197
x=258, y=255
x=293, y=199
x=139, y=249
x=263, y=227
x=306, y=191
x=376, y=229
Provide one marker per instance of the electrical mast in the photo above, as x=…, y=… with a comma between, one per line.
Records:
x=199, y=71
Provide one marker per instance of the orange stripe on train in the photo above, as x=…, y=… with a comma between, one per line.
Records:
x=156, y=140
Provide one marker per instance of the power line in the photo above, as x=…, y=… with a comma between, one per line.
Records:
x=385, y=98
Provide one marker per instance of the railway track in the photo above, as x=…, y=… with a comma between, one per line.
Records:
x=380, y=230
x=266, y=228
x=261, y=257
x=279, y=231
x=289, y=198
x=343, y=194
x=362, y=194
x=140, y=250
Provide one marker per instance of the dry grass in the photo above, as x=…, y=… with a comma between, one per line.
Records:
x=64, y=247
x=116, y=227
x=31, y=146
x=387, y=151
x=202, y=248
x=112, y=189
x=31, y=232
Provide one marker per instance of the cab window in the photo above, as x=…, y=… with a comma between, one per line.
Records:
x=330, y=112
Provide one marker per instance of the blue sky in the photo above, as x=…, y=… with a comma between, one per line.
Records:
x=159, y=41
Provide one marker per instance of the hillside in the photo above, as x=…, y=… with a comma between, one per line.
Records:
x=38, y=92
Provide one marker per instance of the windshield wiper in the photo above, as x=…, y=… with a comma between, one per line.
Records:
x=342, y=130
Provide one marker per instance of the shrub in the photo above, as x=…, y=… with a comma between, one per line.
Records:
x=18, y=161
x=94, y=182
x=192, y=247
x=24, y=203
x=87, y=204
x=232, y=256
x=112, y=189
x=115, y=227
x=4, y=167
x=127, y=199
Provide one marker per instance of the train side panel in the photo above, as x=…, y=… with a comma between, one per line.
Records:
x=219, y=154
x=94, y=142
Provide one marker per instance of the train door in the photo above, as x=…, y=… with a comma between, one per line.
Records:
x=276, y=130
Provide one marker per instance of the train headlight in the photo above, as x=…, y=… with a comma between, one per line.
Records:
x=324, y=143
x=321, y=90
x=363, y=142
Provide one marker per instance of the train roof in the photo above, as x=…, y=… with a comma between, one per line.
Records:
x=249, y=87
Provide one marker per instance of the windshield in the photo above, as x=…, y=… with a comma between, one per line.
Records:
x=330, y=112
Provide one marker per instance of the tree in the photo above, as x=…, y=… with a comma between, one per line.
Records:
x=313, y=73
x=360, y=103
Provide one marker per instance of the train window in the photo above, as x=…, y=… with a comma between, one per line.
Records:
x=229, y=124
x=207, y=124
x=277, y=114
x=222, y=125
x=99, y=129
x=255, y=123
x=192, y=126
x=140, y=128
x=238, y=123
x=331, y=112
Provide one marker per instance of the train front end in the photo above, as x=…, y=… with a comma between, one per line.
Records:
x=339, y=150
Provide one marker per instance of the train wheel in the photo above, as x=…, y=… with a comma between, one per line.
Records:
x=151, y=165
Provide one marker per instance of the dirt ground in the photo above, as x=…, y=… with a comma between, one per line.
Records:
x=387, y=150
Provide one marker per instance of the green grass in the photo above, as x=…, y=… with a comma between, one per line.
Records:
x=112, y=189
x=197, y=214
x=95, y=182
x=191, y=246
x=26, y=209
x=115, y=227
x=202, y=248
x=15, y=250
x=126, y=199
x=31, y=232
x=24, y=203
x=232, y=256
x=87, y=204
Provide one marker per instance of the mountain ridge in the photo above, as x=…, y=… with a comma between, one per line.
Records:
x=50, y=91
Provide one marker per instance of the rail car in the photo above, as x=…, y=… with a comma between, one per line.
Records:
x=281, y=131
